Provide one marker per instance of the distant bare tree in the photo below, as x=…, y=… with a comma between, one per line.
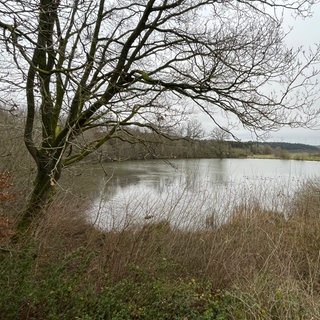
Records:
x=83, y=64
x=193, y=130
x=219, y=134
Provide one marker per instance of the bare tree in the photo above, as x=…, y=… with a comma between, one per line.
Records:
x=83, y=64
x=220, y=134
x=193, y=129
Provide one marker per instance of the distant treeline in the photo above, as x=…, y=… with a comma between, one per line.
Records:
x=137, y=145
x=290, y=147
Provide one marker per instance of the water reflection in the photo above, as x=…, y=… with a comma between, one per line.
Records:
x=186, y=191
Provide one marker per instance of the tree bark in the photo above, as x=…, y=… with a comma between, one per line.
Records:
x=43, y=187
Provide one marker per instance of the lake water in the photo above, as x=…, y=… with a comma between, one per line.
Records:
x=187, y=191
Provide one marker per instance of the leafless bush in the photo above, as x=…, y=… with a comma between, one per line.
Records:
x=306, y=202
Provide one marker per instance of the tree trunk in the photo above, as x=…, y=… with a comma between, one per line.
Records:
x=39, y=197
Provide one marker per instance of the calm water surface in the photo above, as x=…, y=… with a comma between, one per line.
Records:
x=186, y=191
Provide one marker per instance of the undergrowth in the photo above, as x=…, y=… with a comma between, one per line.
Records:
x=257, y=265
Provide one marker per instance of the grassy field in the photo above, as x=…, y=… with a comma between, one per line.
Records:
x=257, y=265
x=305, y=156
x=292, y=156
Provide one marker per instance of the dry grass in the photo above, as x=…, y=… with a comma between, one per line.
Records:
x=257, y=254
x=252, y=242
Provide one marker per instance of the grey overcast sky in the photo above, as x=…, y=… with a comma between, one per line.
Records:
x=305, y=33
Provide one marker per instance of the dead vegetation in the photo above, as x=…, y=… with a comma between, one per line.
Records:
x=267, y=257
x=253, y=241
